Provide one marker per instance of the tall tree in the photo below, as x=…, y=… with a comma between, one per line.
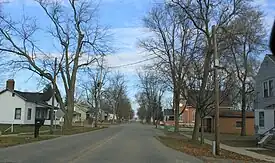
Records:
x=141, y=113
x=245, y=39
x=202, y=14
x=173, y=44
x=75, y=33
x=153, y=87
x=93, y=86
x=114, y=91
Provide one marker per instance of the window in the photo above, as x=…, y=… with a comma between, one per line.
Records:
x=180, y=117
x=17, y=113
x=261, y=119
x=171, y=118
x=270, y=88
x=29, y=116
x=193, y=115
x=238, y=124
x=265, y=89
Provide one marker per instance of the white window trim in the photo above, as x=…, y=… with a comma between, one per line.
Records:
x=267, y=83
x=262, y=127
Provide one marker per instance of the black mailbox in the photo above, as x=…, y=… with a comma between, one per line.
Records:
x=37, y=124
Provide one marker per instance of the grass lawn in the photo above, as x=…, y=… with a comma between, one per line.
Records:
x=183, y=144
x=74, y=130
x=21, y=128
x=16, y=140
x=233, y=140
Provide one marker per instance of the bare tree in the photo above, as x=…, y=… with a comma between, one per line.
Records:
x=153, y=87
x=79, y=40
x=174, y=45
x=245, y=39
x=202, y=15
x=97, y=78
x=114, y=92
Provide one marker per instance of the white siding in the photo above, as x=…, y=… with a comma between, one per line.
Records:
x=55, y=102
x=82, y=113
x=48, y=122
x=268, y=120
x=7, y=108
x=32, y=106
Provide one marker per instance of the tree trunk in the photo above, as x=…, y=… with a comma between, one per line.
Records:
x=243, y=131
x=202, y=131
x=196, y=126
x=176, y=106
x=69, y=113
x=113, y=116
x=68, y=117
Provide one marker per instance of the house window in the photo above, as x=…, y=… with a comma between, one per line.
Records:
x=29, y=116
x=180, y=117
x=270, y=88
x=171, y=118
x=265, y=89
x=238, y=124
x=17, y=113
x=193, y=115
x=261, y=119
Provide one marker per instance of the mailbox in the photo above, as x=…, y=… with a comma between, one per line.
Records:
x=37, y=124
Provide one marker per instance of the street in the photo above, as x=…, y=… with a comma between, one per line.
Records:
x=127, y=143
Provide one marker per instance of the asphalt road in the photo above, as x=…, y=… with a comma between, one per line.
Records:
x=127, y=143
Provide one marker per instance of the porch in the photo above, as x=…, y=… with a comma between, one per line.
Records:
x=44, y=113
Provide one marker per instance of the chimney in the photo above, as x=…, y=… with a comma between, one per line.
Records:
x=10, y=84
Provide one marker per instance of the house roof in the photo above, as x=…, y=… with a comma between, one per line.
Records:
x=233, y=113
x=271, y=57
x=34, y=97
x=168, y=112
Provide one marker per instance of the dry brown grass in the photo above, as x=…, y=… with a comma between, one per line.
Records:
x=187, y=146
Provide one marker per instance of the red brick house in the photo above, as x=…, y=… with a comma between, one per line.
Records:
x=230, y=122
x=187, y=118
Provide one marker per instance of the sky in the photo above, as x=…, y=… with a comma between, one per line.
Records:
x=124, y=19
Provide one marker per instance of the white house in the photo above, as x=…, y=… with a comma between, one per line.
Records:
x=18, y=107
x=80, y=112
x=264, y=103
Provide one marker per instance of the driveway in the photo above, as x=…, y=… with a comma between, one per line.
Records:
x=127, y=143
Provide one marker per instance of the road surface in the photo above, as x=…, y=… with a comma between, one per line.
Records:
x=127, y=143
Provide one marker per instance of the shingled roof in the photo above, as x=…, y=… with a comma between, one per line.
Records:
x=233, y=114
x=35, y=97
x=271, y=57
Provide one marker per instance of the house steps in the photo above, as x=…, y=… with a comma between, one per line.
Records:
x=270, y=145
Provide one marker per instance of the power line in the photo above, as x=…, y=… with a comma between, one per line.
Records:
x=134, y=63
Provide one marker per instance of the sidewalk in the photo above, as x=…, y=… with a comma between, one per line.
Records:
x=239, y=150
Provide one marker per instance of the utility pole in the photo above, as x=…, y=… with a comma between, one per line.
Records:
x=217, y=91
x=53, y=95
x=99, y=85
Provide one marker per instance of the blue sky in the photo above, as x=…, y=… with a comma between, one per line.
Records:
x=124, y=17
